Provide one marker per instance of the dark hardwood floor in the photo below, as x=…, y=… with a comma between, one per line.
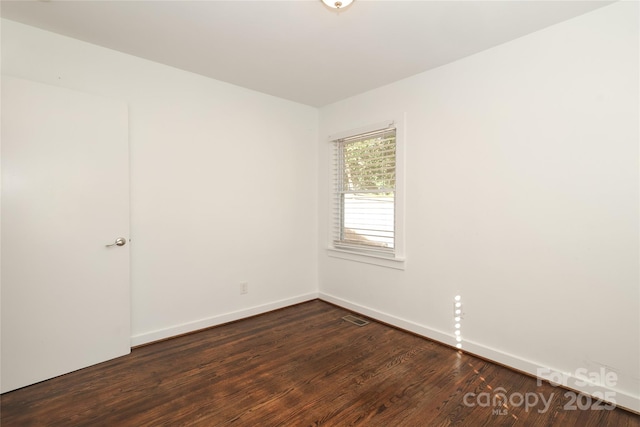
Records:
x=299, y=366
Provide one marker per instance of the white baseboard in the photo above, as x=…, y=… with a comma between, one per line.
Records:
x=622, y=399
x=184, y=328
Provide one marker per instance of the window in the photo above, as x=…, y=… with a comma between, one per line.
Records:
x=364, y=207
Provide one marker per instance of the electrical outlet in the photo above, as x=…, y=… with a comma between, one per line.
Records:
x=244, y=288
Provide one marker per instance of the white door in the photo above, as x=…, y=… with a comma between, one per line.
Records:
x=65, y=195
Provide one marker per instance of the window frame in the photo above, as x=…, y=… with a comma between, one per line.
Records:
x=392, y=259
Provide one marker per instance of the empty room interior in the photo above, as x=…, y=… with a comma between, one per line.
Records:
x=386, y=213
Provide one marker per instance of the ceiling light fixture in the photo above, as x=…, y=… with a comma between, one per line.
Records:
x=337, y=4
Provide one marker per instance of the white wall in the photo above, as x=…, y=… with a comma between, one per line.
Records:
x=222, y=183
x=522, y=196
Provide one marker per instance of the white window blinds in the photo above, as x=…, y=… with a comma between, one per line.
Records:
x=364, y=191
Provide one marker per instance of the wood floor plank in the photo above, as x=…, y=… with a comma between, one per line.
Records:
x=299, y=366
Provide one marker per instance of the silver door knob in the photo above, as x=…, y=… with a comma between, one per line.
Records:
x=120, y=241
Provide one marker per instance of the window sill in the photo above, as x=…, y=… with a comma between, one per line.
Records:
x=380, y=260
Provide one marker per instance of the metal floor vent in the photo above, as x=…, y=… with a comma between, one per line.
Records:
x=355, y=320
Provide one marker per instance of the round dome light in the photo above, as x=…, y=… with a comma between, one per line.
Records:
x=337, y=4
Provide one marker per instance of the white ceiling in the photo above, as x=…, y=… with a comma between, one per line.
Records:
x=298, y=49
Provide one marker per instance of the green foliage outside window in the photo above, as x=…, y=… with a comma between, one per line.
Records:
x=369, y=164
